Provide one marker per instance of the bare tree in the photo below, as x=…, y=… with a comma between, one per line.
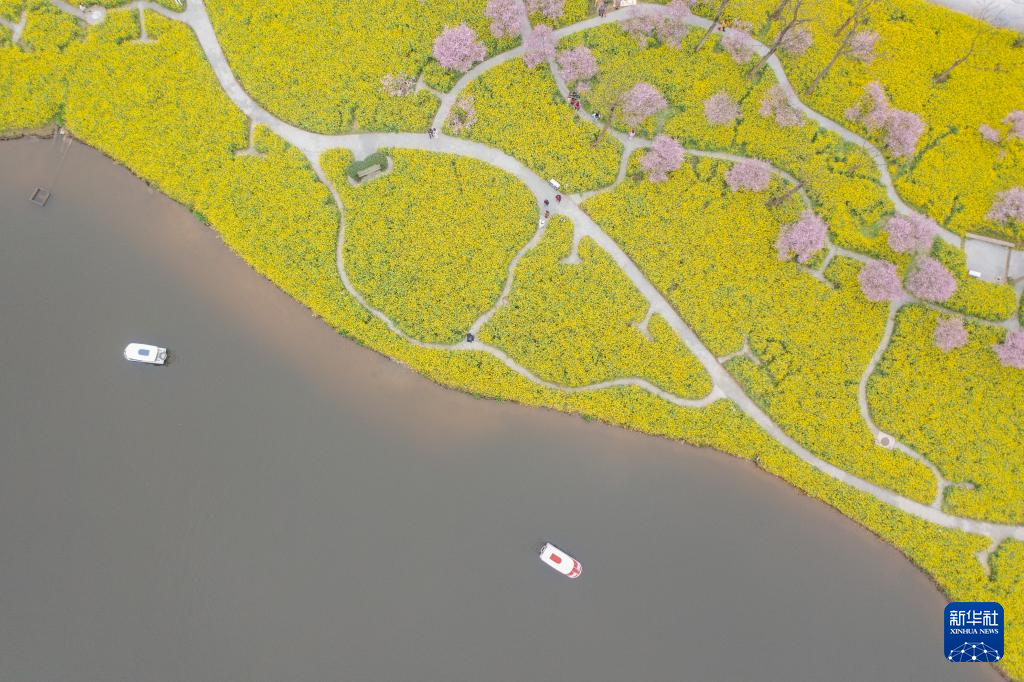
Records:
x=776, y=13
x=797, y=12
x=857, y=44
x=858, y=14
x=807, y=176
x=984, y=30
x=722, y=6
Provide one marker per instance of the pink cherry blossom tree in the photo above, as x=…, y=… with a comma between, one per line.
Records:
x=506, y=17
x=458, y=48
x=721, y=109
x=930, y=280
x=1011, y=351
x=989, y=133
x=641, y=101
x=1015, y=119
x=664, y=156
x=950, y=334
x=641, y=27
x=862, y=46
x=462, y=116
x=672, y=27
x=804, y=238
x=902, y=129
x=539, y=46
x=398, y=86
x=1008, y=206
x=578, y=65
x=738, y=43
x=797, y=42
x=776, y=104
x=913, y=232
x=750, y=174
x=880, y=281
x=552, y=9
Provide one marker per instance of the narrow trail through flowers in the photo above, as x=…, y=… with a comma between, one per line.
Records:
x=313, y=145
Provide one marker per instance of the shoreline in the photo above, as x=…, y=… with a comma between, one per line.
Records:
x=1008, y=14
x=261, y=311
x=413, y=376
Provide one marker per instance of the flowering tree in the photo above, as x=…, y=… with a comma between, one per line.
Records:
x=880, y=281
x=539, y=46
x=641, y=101
x=665, y=156
x=721, y=109
x=739, y=44
x=577, y=65
x=632, y=105
x=1015, y=119
x=457, y=48
x=398, y=86
x=506, y=17
x=930, y=280
x=805, y=237
x=797, y=42
x=902, y=128
x=862, y=46
x=950, y=334
x=640, y=27
x=552, y=9
x=776, y=104
x=989, y=133
x=912, y=232
x=749, y=174
x=1011, y=351
x=1009, y=205
x=462, y=116
x=673, y=25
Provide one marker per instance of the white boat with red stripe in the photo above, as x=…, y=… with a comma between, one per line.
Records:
x=560, y=561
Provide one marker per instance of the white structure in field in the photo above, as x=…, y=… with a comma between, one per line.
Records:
x=993, y=260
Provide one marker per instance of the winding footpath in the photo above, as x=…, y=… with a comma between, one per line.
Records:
x=313, y=145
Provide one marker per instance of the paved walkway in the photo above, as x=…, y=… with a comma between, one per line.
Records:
x=314, y=144
x=15, y=28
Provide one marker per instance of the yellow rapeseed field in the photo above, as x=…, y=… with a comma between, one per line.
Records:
x=577, y=323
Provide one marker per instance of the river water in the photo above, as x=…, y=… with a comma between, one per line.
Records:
x=281, y=504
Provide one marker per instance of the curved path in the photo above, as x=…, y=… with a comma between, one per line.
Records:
x=313, y=145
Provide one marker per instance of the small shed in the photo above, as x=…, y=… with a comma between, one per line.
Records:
x=993, y=260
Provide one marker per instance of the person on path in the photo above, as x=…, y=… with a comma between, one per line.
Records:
x=558, y=198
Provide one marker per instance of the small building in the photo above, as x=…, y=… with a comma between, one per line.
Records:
x=993, y=260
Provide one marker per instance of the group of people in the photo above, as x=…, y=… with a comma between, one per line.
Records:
x=431, y=132
x=547, y=203
x=574, y=100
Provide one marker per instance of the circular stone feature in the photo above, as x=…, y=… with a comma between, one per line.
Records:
x=95, y=14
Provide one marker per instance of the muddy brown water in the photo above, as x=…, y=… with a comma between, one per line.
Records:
x=281, y=504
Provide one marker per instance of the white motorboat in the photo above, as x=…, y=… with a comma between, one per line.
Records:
x=560, y=561
x=144, y=352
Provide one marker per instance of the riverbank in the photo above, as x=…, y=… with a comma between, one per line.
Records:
x=277, y=216
x=282, y=503
x=1008, y=13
